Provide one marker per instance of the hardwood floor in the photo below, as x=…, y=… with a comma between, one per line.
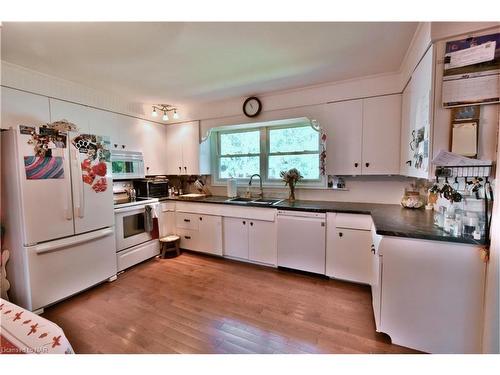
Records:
x=201, y=304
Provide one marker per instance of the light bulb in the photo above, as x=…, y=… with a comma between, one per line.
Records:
x=165, y=116
x=154, y=113
x=176, y=115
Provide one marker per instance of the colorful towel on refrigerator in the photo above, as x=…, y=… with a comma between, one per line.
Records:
x=43, y=167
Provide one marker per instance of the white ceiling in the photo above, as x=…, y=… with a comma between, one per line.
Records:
x=181, y=63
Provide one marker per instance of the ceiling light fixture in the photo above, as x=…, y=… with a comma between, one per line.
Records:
x=165, y=108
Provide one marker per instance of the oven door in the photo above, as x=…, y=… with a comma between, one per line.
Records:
x=130, y=228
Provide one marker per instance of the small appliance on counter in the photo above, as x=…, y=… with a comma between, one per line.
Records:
x=153, y=187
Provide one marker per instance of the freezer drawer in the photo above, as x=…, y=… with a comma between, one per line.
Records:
x=59, y=269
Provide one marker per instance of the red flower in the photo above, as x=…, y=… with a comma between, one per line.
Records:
x=86, y=165
x=100, y=186
x=88, y=179
x=100, y=169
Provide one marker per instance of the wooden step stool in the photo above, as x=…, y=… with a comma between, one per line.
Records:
x=169, y=246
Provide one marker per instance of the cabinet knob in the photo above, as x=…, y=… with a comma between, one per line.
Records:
x=244, y=222
x=356, y=165
x=187, y=220
x=367, y=165
x=251, y=224
x=187, y=237
x=341, y=234
x=201, y=219
x=123, y=146
x=185, y=169
x=180, y=169
x=116, y=145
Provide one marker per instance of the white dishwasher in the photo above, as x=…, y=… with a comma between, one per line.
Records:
x=302, y=240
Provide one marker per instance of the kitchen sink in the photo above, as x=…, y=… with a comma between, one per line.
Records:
x=269, y=201
x=253, y=201
x=239, y=200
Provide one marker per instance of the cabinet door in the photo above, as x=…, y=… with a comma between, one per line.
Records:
x=167, y=223
x=210, y=234
x=22, y=108
x=104, y=123
x=421, y=111
x=236, y=237
x=405, y=155
x=262, y=246
x=173, y=149
x=190, y=148
x=153, y=142
x=75, y=113
x=349, y=255
x=381, y=135
x=343, y=125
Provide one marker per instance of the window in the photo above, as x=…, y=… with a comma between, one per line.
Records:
x=267, y=150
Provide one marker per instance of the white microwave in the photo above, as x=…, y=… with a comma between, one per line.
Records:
x=127, y=164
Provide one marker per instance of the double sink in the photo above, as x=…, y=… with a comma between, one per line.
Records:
x=253, y=201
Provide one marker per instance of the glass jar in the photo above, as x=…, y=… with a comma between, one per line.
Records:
x=412, y=199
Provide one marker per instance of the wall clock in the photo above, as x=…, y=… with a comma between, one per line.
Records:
x=252, y=107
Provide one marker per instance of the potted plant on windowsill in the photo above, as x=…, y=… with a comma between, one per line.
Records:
x=291, y=177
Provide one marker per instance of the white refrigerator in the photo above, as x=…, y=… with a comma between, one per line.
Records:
x=57, y=209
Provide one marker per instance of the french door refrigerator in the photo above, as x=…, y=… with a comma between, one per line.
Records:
x=57, y=208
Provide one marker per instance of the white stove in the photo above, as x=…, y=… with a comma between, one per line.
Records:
x=136, y=231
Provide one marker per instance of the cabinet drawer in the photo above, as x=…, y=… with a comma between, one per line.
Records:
x=189, y=239
x=137, y=254
x=186, y=221
x=353, y=221
x=167, y=206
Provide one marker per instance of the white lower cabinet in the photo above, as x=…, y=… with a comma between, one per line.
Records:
x=262, y=246
x=236, y=237
x=198, y=232
x=348, y=247
x=431, y=296
x=250, y=239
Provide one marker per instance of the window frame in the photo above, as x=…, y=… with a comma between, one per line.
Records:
x=264, y=155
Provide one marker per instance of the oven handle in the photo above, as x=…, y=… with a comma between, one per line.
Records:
x=139, y=209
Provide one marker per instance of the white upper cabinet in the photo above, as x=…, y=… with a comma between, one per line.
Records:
x=381, y=135
x=75, y=113
x=183, y=149
x=363, y=136
x=344, y=126
x=153, y=143
x=22, y=108
x=103, y=123
x=417, y=114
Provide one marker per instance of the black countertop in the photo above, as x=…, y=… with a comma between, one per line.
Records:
x=389, y=219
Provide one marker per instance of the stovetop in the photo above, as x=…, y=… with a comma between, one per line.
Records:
x=136, y=202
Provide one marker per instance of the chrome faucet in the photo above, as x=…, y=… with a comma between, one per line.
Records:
x=261, y=194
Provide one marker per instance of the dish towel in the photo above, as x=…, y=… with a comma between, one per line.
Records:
x=149, y=215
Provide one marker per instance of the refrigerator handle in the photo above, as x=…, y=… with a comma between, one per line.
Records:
x=67, y=208
x=79, y=204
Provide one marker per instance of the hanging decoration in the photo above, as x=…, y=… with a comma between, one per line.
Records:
x=94, y=165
